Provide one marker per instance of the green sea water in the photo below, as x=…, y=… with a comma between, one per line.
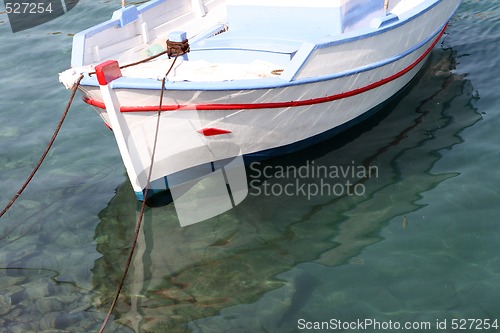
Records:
x=417, y=244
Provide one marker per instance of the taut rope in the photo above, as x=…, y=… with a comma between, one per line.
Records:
x=143, y=206
x=173, y=49
x=32, y=174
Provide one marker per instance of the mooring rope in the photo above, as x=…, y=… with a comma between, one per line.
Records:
x=143, y=206
x=179, y=50
x=143, y=60
x=51, y=142
x=172, y=49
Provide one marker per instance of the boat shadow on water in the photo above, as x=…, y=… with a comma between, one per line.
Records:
x=322, y=205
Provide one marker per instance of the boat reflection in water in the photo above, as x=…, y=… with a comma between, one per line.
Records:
x=182, y=276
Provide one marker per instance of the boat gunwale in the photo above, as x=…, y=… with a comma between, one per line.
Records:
x=285, y=104
x=253, y=84
x=281, y=82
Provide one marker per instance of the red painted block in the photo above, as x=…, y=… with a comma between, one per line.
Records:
x=107, y=72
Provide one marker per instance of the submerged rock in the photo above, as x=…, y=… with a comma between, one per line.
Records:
x=5, y=304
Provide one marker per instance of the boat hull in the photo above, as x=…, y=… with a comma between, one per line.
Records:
x=258, y=129
x=335, y=84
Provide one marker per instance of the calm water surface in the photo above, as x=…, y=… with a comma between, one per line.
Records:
x=419, y=245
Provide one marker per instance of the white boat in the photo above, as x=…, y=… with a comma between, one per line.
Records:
x=263, y=77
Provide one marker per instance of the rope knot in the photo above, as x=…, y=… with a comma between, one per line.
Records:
x=177, y=48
